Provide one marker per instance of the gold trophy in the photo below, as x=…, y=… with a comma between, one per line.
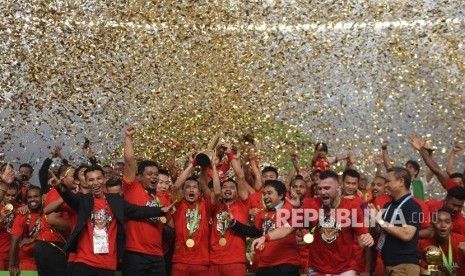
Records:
x=204, y=158
x=433, y=256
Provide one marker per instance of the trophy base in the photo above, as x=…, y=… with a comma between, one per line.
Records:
x=431, y=270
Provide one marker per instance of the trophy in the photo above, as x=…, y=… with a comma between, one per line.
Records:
x=433, y=256
x=204, y=158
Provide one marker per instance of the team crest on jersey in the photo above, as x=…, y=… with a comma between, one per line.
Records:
x=153, y=203
x=9, y=222
x=329, y=229
x=268, y=225
x=222, y=223
x=190, y=219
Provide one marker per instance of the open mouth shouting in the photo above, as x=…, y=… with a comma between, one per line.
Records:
x=268, y=203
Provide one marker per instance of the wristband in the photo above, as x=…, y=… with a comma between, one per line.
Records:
x=267, y=238
x=230, y=155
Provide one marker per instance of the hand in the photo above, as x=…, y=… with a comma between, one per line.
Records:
x=171, y=208
x=54, y=181
x=456, y=148
x=4, y=214
x=258, y=244
x=365, y=240
x=8, y=174
x=416, y=141
x=384, y=143
x=229, y=216
x=351, y=157
x=304, y=173
x=378, y=159
x=228, y=146
x=294, y=200
x=130, y=131
x=294, y=157
x=14, y=271
x=299, y=238
x=57, y=152
x=22, y=210
x=254, y=211
x=462, y=246
x=215, y=160
x=26, y=241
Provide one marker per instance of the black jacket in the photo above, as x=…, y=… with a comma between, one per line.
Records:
x=83, y=204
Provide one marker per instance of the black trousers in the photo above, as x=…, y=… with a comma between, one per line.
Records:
x=50, y=260
x=81, y=269
x=279, y=270
x=135, y=263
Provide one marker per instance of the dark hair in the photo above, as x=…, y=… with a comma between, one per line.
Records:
x=435, y=214
x=230, y=180
x=193, y=178
x=94, y=168
x=270, y=169
x=13, y=185
x=324, y=147
x=26, y=165
x=351, y=173
x=457, y=193
x=456, y=175
x=399, y=173
x=380, y=177
x=164, y=172
x=329, y=174
x=63, y=169
x=144, y=164
x=414, y=164
x=112, y=182
x=297, y=177
x=76, y=172
x=107, y=166
x=278, y=186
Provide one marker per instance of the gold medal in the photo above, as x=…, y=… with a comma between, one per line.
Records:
x=9, y=207
x=163, y=219
x=308, y=238
x=222, y=242
x=190, y=243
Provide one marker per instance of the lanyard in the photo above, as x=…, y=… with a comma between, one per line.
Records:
x=193, y=222
x=36, y=225
x=448, y=262
x=224, y=221
x=398, y=207
x=107, y=214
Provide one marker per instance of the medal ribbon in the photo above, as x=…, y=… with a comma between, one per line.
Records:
x=193, y=222
x=36, y=225
x=265, y=231
x=107, y=221
x=448, y=262
x=224, y=222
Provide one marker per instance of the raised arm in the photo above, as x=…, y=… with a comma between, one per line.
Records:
x=182, y=178
x=240, y=176
x=451, y=158
x=129, y=172
x=419, y=145
x=215, y=196
x=378, y=161
x=7, y=176
x=292, y=172
x=386, y=160
x=256, y=172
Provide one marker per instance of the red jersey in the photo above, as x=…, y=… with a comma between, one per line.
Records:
x=283, y=251
x=102, y=219
x=26, y=226
x=151, y=227
x=256, y=200
x=451, y=184
x=5, y=237
x=426, y=213
x=46, y=233
x=221, y=169
x=457, y=254
x=234, y=250
x=458, y=220
x=381, y=200
x=332, y=249
x=196, y=216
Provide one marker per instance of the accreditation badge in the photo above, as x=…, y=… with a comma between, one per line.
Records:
x=101, y=244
